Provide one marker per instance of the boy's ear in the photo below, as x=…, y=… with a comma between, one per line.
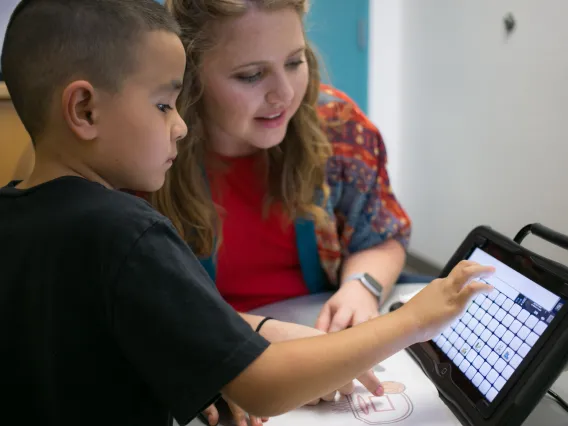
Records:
x=80, y=109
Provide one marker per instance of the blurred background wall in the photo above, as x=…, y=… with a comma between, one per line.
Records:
x=474, y=118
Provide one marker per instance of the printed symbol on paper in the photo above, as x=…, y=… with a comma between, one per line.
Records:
x=394, y=406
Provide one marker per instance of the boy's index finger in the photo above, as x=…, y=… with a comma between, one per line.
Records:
x=475, y=273
x=370, y=381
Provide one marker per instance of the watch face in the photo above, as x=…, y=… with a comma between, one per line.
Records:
x=374, y=283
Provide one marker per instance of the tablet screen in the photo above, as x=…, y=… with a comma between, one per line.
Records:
x=495, y=334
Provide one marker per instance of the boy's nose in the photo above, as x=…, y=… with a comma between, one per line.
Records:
x=179, y=130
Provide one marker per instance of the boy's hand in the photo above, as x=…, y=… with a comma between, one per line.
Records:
x=440, y=302
x=368, y=379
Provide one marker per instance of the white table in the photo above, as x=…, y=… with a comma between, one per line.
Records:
x=304, y=310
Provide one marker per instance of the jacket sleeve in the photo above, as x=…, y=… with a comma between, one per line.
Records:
x=366, y=208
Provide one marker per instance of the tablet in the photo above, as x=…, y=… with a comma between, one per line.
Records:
x=496, y=361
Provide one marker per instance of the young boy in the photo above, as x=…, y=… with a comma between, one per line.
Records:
x=106, y=316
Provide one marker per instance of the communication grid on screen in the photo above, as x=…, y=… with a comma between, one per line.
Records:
x=497, y=331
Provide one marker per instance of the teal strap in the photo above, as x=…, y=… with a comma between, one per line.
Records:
x=314, y=275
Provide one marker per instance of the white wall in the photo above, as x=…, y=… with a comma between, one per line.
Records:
x=479, y=129
x=385, y=56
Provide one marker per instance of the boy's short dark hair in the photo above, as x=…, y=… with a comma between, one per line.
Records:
x=50, y=42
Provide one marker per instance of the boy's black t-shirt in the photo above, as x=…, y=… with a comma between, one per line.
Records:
x=106, y=316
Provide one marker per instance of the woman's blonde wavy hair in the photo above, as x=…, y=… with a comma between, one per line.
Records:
x=296, y=167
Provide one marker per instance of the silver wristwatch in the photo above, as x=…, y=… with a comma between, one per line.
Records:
x=369, y=282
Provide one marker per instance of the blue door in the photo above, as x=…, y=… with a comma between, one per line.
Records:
x=338, y=29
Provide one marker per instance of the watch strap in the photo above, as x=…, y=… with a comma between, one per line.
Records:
x=368, y=282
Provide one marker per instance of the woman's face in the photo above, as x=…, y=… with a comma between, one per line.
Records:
x=254, y=81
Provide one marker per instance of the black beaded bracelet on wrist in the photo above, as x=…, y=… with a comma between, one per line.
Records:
x=260, y=324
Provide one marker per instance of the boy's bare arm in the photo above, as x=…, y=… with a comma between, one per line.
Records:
x=290, y=374
x=279, y=331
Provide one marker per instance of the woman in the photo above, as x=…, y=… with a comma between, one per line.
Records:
x=281, y=185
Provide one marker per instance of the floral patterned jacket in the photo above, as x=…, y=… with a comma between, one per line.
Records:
x=362, y=209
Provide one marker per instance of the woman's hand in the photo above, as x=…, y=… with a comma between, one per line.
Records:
x=239, y=416
x=352, y=304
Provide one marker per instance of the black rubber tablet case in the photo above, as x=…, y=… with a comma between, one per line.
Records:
x=544, y=368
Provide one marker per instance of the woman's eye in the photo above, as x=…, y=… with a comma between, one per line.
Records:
x=164, y=107
x=295, y=64
x=250, y=78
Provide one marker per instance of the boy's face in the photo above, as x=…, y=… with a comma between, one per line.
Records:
x=139, y=126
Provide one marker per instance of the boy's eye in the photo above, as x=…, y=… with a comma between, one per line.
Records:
x=250, y=78
x=164, y=107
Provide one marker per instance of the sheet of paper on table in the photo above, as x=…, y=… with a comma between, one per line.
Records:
x=410, y=399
